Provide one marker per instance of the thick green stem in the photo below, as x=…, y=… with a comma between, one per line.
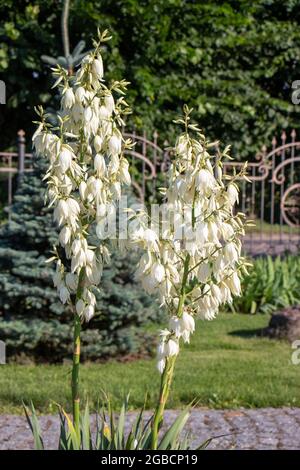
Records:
x=167, y=375
x=75, y=375
x=165, y=386
x=76, y=359
x=65, y=28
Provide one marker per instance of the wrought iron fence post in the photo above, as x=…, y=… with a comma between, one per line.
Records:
x=21, y=153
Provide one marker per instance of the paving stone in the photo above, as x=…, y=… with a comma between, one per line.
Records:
x=266, y=428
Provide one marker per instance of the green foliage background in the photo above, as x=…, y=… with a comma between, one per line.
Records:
x=233, y=61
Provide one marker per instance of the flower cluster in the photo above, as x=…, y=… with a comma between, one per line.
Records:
x=192, y=253
x=87, y=169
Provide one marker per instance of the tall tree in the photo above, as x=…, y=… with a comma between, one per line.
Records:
x=235, y=59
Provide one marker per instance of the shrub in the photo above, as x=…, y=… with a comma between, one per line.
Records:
x=270, y=285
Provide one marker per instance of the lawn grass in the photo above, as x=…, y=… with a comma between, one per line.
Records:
x=225, y=366
x=267, y=228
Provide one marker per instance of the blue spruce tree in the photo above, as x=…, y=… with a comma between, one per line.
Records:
x=33, y=322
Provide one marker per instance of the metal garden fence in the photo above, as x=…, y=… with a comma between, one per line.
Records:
x=271, y=198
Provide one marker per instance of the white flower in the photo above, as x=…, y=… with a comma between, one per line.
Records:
x=203, y=272
x=227, y=231
x=158, y=272
x=205, y=181
x=71, y=281
x=61, y=212
x=114, y=165
x=80, y=305
x=80, y=94
x=230, y=252
x=68, y=98
x=89, y=312
x=124, y=173
x=98, y=142
x=109, y=103
x=216, y=293
x=99, y=164
x=175, y=325
x=65, y=235
x=161, y=365
x=101, y=210
x=98, y=67
x=115, y=144
x=234, y=284
x=57, y=279
x=150, y=239
x=64, y=294
x=172, y=348
x=161, y=350
x=88, y=114
x=116, y=190
x=83, y=190
x=232, y=194
x=91, y=299
x=65, y=159
x=73, y=205
x=187, y=322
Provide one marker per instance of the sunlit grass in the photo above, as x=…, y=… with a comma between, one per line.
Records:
x=226, y=365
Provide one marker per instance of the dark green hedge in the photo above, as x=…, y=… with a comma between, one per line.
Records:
x=233, y=60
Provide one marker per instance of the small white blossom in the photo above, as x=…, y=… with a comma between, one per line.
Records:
x=68, y=98
x=98, y=67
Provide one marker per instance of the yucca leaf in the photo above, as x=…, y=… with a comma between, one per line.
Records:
x=63, y=438
x=72, y=433
x=173, y=432
x=85, y=428
x=34, y=425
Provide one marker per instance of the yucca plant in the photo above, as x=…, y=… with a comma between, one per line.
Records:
x=270, y=285
x=110, y=432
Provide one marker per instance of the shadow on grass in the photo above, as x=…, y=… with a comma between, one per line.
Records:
x=258, y=332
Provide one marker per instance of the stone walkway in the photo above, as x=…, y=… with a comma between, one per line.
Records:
x=266, y=428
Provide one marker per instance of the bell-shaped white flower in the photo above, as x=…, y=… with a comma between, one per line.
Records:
x=161, y=365
x=232, y=193
x=68, y=98
x=98, y=67
x=65, y=159
x=98, y=142
x=158, y=272
x=115, y=144
x=99, y=164
x=64, y=294
x=109, y=103
x=204, y=181
x=88, y=312
x=65, y=235
x=80, y=306
x=172, y=348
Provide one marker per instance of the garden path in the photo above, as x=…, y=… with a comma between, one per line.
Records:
x=264, y=428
